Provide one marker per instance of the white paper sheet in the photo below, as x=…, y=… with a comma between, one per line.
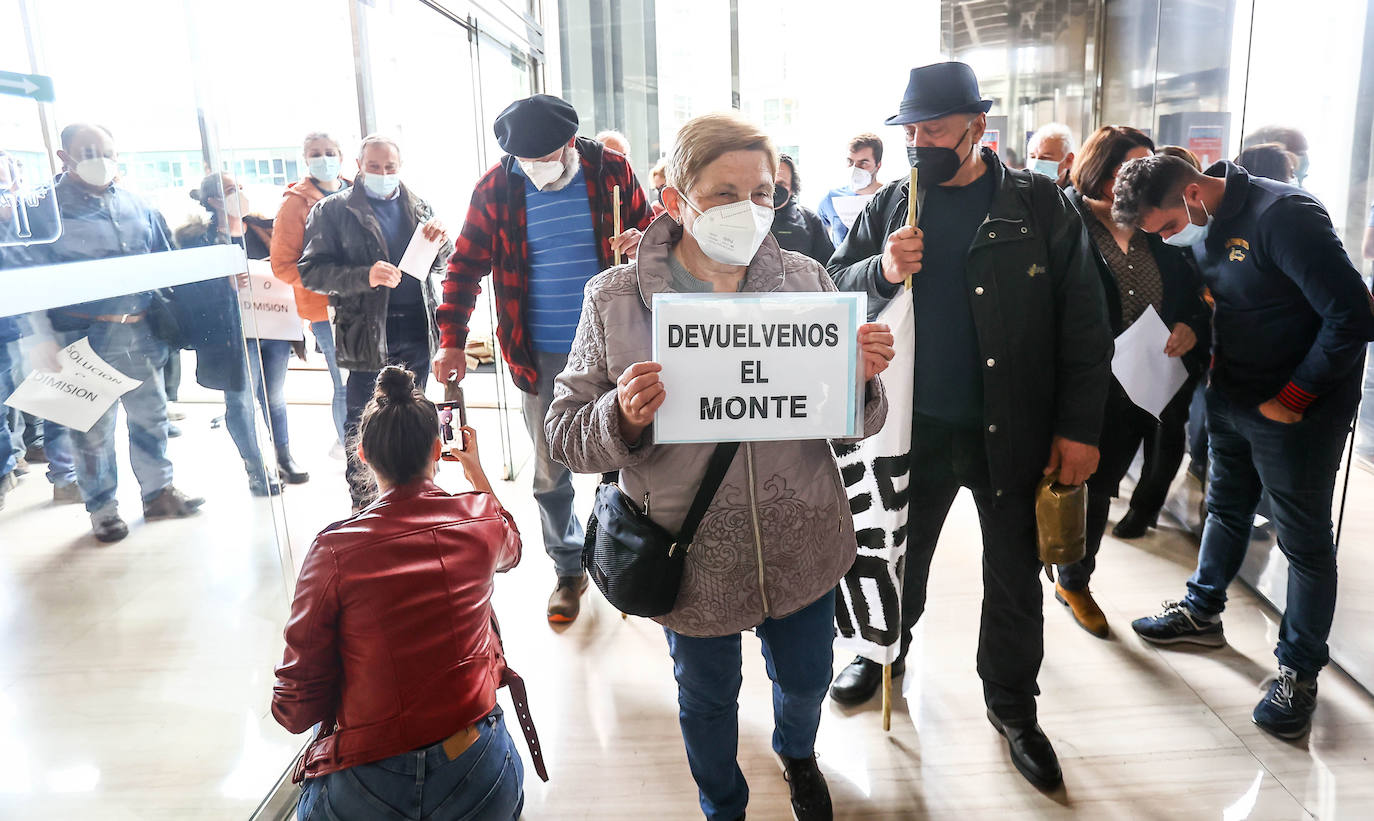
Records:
x=78, y=394
x=849, y=208
x=419, y=254
x=269, y=305
x=1150, y=376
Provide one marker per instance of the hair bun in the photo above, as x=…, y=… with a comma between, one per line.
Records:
x=395, y=385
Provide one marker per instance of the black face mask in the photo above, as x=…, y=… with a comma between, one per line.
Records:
x=780, y=196
x=937, y=165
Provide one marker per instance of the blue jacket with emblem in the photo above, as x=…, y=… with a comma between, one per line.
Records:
x=1292, y=313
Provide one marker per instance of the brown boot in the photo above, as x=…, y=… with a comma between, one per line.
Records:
x=1085, y=611
x=171, y=503
x=566, y=601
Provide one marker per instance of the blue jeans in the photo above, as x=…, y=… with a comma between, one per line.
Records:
x=238, y=420
x=798, y=657
x=11, y=442
x=485, y=783
x=267, y=360
x=1295, y=465
x=134, y=351
x=553, y=488
x=324, y=337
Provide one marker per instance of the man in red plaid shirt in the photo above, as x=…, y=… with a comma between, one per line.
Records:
x=541, y=223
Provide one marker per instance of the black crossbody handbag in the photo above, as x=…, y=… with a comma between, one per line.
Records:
x=635, y=563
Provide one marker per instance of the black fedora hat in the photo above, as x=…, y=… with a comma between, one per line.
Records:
x=937, y=90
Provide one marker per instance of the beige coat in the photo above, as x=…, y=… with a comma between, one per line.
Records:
x=779, y=533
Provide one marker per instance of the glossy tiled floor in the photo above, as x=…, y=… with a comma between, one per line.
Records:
x=135, y=680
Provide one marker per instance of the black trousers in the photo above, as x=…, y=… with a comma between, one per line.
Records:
x=1125, y=427
x=1011, y=632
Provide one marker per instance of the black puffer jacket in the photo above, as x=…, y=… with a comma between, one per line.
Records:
x=1038, y=309
x=798, y=228
x=342, y=241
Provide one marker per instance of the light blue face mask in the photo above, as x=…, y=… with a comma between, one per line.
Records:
x=324, y=168
x=1049, y=168
x=1192, y=233
x=381, y=186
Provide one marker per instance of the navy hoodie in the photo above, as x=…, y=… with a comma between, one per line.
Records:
x=1292, y=313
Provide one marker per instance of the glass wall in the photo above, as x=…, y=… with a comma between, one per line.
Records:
x=1035, y=61
x=150, y=542
x=1219, y=75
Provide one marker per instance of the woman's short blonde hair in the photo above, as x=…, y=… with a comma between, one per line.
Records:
x=703, y=139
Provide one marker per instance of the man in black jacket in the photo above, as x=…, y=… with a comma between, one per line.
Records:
x=1012, y=366
x=796, y=227
x=354, y=240
x=1292, y=319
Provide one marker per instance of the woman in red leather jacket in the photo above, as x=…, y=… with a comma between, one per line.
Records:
x=391, y=647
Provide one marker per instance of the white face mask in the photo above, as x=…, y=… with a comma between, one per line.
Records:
x=1049, y=168
x=381, y=186
x=547, y=174
x=97, y=171
x=859, y=178
x=1192, y=233
x=324, y=167
x=236, y=204
x=731, y=234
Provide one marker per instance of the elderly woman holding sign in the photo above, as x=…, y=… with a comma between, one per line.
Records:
x=765, y=550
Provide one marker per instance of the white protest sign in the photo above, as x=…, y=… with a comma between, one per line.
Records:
x=268, y=305
x=740, y=368
x=78, y=394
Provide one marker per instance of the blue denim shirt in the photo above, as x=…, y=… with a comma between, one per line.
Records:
x=112, y=223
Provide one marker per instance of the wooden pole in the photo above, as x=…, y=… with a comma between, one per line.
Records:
x=887, y=698
x=911, y=212
x=615, y=215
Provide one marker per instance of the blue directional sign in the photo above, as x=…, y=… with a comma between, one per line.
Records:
x=32, y=86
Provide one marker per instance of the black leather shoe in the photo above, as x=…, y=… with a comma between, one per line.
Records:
x=1133, y=525
x=291, y=473
x=858, y=681
x=810, y=795
x=1030, y=752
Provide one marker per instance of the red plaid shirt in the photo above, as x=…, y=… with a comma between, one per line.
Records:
x=494, y=239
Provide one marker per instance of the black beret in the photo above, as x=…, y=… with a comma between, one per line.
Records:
x=535, y=126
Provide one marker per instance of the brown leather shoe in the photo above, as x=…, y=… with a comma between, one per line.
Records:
x=171, y=503
x=566, y=601
x=1085, y=611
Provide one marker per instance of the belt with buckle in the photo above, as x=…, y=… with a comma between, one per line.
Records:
x=117, y=319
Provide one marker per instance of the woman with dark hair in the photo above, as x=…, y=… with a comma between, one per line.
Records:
x=1269, y=160
x=1139, y=271
x=392, y=646
x=796, y=227
x=231, y=220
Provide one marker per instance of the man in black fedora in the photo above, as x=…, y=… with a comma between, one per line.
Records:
x=1012, y=362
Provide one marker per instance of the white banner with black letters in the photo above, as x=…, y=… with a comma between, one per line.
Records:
x=876, y=474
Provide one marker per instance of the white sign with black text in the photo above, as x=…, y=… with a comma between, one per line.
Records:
x=758, y=367
x=78, y=394
x=269, y=305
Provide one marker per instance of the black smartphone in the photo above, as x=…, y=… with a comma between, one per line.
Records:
x=453, y=416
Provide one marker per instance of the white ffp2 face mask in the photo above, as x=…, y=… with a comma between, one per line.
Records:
x=859, y=178
x=97, y=171
x=731, y=234
x=545, y=173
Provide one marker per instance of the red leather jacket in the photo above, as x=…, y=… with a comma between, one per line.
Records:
x=390, y=642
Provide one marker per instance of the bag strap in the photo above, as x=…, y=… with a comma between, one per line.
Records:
x=721, y=458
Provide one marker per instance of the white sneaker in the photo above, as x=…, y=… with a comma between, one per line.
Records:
x=338, y=452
